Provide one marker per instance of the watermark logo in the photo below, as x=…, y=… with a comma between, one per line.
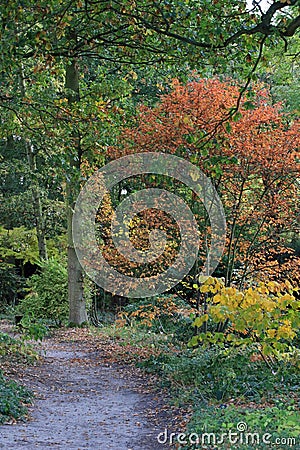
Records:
x=104, y=180
x=239, y=436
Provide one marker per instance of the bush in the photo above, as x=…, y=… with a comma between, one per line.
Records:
x=13, y=398
x=9, y=284
x=33, y=328
x=217, y=375
x=16, y=350
x=164, y=313
x=47, y=296
x=267, y=315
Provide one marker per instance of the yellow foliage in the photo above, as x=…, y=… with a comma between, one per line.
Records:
x=271, y=333
x=285, y=332
x=204, y=289
x=266, y=313
x=200, y=320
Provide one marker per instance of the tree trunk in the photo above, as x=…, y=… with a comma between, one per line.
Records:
x=77, y=313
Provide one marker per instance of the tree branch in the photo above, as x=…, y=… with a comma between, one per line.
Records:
x=292, y=27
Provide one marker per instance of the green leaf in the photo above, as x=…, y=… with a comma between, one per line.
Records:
x=228, y=127
x=237, y=116
x=193, y=342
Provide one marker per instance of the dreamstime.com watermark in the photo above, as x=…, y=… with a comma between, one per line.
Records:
x=238, y=436
x=107, y=178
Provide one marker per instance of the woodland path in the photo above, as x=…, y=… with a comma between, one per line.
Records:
x=84, y=402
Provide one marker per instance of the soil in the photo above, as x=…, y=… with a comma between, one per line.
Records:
x=84, y=402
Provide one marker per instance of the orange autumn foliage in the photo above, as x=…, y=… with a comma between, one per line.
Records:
x=252, y=158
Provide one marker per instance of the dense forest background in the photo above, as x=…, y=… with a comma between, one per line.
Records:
x=74, y=77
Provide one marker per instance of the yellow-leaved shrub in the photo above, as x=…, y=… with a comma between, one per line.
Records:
x=267, y=315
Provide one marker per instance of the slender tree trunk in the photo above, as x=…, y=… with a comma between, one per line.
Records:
x=35, y=188
x=77, y=314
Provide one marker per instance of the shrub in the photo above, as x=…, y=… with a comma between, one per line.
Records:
x=13, y=398
x=213, y=374
x=266, y=315
x=47, y=296
x=15, y=349
x=33, y=328
x=161, y=313
x=9, y=284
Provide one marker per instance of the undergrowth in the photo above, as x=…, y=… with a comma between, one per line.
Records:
x=223, y=387
x=15, y=350
x=14, y=398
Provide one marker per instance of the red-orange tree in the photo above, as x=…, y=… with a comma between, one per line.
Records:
x=252, y=158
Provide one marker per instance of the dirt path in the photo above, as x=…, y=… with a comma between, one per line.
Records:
x=85, y=403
